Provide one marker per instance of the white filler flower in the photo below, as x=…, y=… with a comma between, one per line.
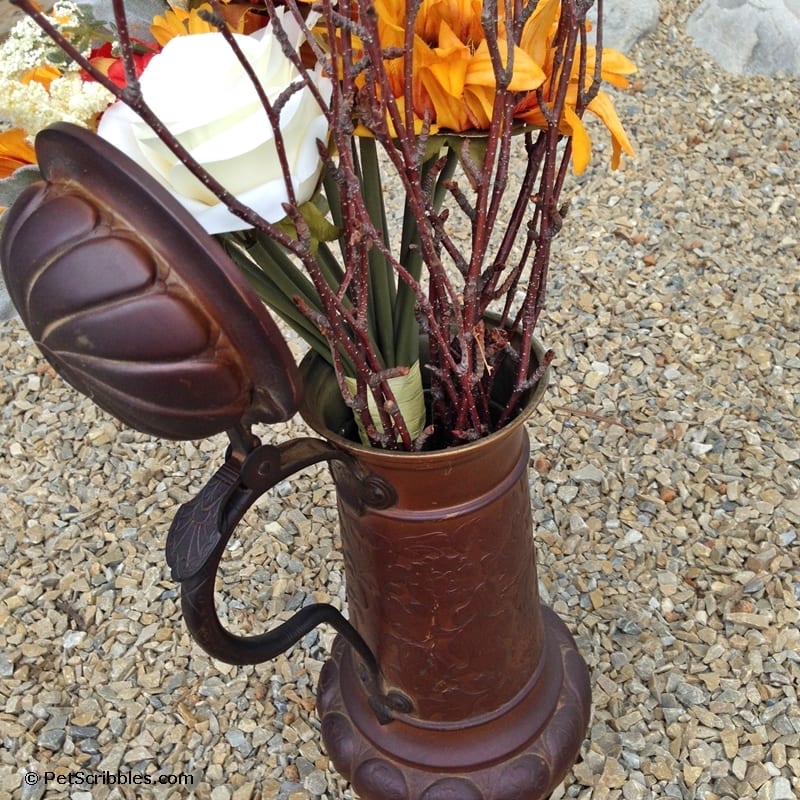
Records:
x=198, y=88
x=33, y=105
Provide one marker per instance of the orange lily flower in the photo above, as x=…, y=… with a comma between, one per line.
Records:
x=463, y=17
x=527, y=76
x=453, y=80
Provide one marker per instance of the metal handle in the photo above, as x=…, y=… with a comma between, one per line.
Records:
x=200, y=532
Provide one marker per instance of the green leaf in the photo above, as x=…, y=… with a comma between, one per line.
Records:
x=320, y=228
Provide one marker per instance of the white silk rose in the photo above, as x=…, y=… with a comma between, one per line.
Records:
x=199, y=90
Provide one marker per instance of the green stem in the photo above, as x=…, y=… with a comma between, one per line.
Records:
x=330, y=268
x=277, y=280
x=280, y=268
x=382, y=288
x=278, y=301
x=333, y=196
x=405, y=320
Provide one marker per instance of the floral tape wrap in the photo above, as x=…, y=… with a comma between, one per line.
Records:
x=408, y=393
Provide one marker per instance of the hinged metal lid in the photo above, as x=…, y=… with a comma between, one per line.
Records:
x=133, y=303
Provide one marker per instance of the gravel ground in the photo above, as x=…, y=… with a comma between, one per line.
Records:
x=665, y=481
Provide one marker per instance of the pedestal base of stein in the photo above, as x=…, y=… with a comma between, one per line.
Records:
x=521, y=752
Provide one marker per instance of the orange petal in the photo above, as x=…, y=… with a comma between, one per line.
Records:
x=614, y=67
x=539, y=30
x=391, y=14
x=581, y=143
x=603, y=108
x=444, y=82
x=15, y=151
x=528, y=75
x=480, y=105
x=45, y=75
x=243, y=17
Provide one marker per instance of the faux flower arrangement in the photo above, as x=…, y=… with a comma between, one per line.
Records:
x=283, y=128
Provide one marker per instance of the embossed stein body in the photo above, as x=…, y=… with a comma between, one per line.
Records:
x=442, y=585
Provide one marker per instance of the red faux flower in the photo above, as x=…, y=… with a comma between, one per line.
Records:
x=110, y=65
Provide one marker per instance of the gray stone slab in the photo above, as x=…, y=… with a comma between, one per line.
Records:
x=749, y=37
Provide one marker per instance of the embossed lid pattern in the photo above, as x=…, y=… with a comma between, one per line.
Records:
x=133, y=303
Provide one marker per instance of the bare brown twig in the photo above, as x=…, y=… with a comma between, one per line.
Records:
x=461, y=284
